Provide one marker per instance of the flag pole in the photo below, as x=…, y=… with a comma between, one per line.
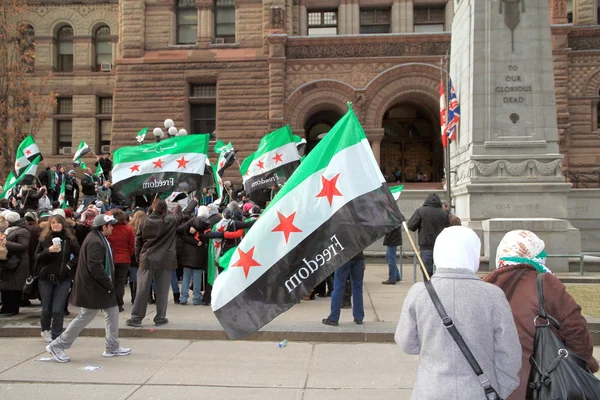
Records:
x=447, y=149
x=415, y=250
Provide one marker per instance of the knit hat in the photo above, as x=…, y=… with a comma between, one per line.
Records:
x=247, y=207
x=68, y=213
x=457, y=247
x=71, y=171
x=12, y=217
x=255, y=211
x=59, y=211
x=30, y=216
x=522, y=247
x=87, y=217
x=212, y=209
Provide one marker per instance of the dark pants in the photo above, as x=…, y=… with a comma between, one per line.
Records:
x=427, y=257
x=324, y=287
x=54, y=295
x=121, y=271
x=11, y=301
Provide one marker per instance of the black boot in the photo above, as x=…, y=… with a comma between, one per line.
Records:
x=133, y=289
x=176, y=297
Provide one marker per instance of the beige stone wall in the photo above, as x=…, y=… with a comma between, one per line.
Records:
x=248, y=24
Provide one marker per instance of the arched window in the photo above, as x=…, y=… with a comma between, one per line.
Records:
x=64, y=44
x=27, y=44
x=187, y=22
x=103, y=47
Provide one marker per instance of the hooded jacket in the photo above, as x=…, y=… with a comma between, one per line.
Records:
x=17, y=242
x=429, y=220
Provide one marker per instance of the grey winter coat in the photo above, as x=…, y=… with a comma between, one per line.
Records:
x=484, y=318
x=17, y=242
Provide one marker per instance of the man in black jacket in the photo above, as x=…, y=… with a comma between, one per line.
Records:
x=106, y=165
x=392, y=240
x=93, y=290
x=88, y=187
x=71, y=190
x=156, y=253
x=430, y=220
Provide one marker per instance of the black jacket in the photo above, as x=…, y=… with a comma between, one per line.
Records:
x=394, y=238
x=430, y=220
x=32, y=198
x=17, y=242
x=93, y=287
x=189, y=254
x=87, y=185
x=106, y=166
x=57, y=266
x=155, y=240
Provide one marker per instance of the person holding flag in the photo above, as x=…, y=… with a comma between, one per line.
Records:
x=88, y=187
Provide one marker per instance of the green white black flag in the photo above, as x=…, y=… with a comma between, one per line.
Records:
x=25, y=178
x=172, y=165
x=26, y=152
x=82, y=150
x=333, y=206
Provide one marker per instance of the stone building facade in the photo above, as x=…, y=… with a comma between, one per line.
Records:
x=240, y=68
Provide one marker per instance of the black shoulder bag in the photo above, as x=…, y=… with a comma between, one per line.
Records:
x=490, y=392
x=556, y=371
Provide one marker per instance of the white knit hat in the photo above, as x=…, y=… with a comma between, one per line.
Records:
x=59, y=211
x=12, y=217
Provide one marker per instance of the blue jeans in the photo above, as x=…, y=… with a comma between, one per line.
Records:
x=185, y=285
x=427, y=257
x=54, y=296
x=390, y=257
x=356, y=271
x=133, y=274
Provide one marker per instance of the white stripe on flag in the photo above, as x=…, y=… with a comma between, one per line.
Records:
x=358, y=174
x=287, y=153
x=166, y=163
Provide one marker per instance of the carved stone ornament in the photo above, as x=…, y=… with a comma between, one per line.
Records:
x=277, y=18
x=368, y=50
x=512, y=15
x=584, y=42
x=503, y=169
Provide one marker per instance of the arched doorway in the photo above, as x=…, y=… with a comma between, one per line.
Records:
x=411, y=145
x=318, y=125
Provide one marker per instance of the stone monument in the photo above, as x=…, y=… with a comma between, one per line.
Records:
x=506, y=159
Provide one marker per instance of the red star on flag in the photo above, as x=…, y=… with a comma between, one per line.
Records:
x=286, y=225
x=182, y=163
x=329, y=188
x=158, y=163
x=217, y=245
x=260, y=165
x=18, y=165
x=61, y=198
x=221, y=164
x=28, y=152
x=136, y=167
x=246, y=261
x=277, y=158
x=221, y=228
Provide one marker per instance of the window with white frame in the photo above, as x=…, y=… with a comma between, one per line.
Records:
x=322, y=23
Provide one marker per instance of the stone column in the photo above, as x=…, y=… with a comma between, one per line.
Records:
x=82, y=50
x=584, y=12
x=449, y=15
x=205, y=22
x=406, y=15
x=342, y=20
x=355, y=10
x=44, y=53
x=396, y=17
x=303, y=17
x=133, y=16
x=276, y=68
x=375, y=137
x=558, y=11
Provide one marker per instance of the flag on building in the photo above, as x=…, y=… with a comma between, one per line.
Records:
x=26, y=177
x=226, y=156
x=396, y=190
x=26, y=152
x=141, y=135
x=453, y=112
x=334, y=205
x=443, y=114
x=62, y=195
x=172, y=165
x=276, y=158
x=82, y=150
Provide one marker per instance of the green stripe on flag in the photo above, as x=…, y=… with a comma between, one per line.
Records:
x=396, y=190
x=353, y=133
x=31, y=169
x=269, y=142
x=179, y=144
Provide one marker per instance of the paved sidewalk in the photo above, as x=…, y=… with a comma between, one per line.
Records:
x=302, y=322
x=215, y=370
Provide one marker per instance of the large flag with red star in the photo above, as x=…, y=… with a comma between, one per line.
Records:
x=26, y=153
x=336, y=204
x=275, y=160
x=226, y=156
x=172, y=165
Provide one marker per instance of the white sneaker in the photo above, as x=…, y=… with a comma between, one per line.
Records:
x=121, y=351
x=58, y=354
x=47, y=336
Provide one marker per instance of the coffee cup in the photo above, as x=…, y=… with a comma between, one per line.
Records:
x=56, y=241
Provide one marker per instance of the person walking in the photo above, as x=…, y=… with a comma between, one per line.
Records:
x=15, y=269
x=93, y=290
x=481, y=314
x=429, y=220
x=122, y=242
x=355, y=269
x=55, y=267
x=520, y=258
x=392, y=240
x=155, y=250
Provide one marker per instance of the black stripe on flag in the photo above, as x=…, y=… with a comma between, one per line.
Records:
x=353, y=227
x=157, y=183
x=269, y=178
